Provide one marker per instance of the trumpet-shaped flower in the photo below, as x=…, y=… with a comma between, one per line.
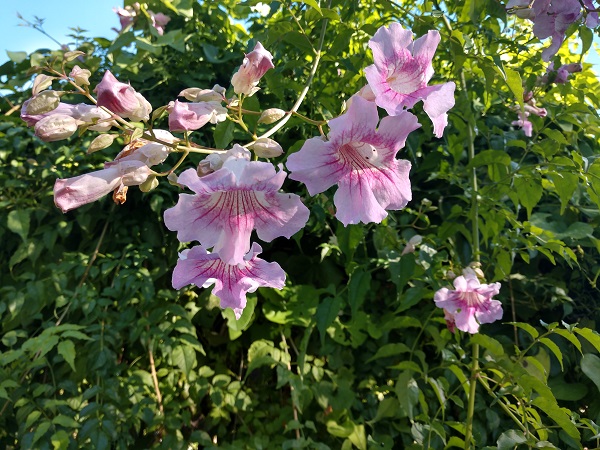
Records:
x=255, y=65
x=232, y=282
x=401, y=72
x=360, y=159
x=232, y=201
x=71, y=193
x=470, y=303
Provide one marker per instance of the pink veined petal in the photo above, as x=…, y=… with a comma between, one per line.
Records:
x=315, y=165
x=465, y=320
x=357, y=123
x=391, y=187
x=387, y=42
x=394, y=130
x=220, y=179
x=355, y=202
x=424, y=49
x=438, y=100
x=260, y=176
x=283, y=215
x=490, y=312
x=232, y=282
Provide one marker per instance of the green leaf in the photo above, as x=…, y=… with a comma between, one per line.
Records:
x=510, y=439
x=327, y=311
x=41, y=430
x=554, y=349
x=555, y=135
x=490, y=344
x=407, y=391
x=590, y=335
x=184, y=357
x=587, y=37
x=223, y=133
x=487, y=157
x=590, y=365
x=514, y=82
x=529, y=191
x=526, y=327
x=569, y=336
x=388, y=407
x=66, y=349
x=360, y=283
x=565, y=184
x=392, y=349
x=18, y=222
x=559, y=415
x=65, y=421
x=314, y=5
x=60, y=440
x=17, y=57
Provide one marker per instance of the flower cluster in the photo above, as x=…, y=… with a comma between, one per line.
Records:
x=552, y=18
x=230, y=195
x=128, y=15
x=359, y=156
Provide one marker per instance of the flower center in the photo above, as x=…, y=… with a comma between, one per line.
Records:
x=359, y=155
x=407, y=75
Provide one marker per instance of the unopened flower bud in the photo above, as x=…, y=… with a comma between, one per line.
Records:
x=266, y=148
x=43, y=102
x=55, y=127
x=271, y=115
x=255, y=65
x=201, y=95
x=122, y=99
x=80, y=76
x=412, y=244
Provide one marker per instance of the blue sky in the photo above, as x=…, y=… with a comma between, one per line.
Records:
x=96, y=16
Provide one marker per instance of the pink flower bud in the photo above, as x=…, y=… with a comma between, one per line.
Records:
x=159, y=21
x=122, y=99
x=55, y=127
x=192, y=116
x=255, y=65
x=266, y=148
x=81, y=76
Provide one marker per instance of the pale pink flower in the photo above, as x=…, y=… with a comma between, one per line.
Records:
x=470, y=303
x=55, y=127
x=401, y=72
x=552, y=18
x=71, y=193
x=192, y=116
x=450, y=321
x=126, y=16
x=84, y=114
x=232, y=282
x=149, y=152
x=524, y=123
x=361, y=161
x=122, y=99
x=232, y=201
x=255, y=65
x=159, y=21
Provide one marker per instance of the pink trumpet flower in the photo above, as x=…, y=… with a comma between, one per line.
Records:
x=232, y=282
x=361, y=160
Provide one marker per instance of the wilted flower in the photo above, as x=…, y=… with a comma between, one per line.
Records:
x=361, y=159
x=122, y=99
x=192, y=116
x=470, y=303
x=229, y=203
x=232, y=282
x=401, y=72
x=255, y=65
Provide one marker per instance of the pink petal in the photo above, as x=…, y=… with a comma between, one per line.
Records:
x=232, y=282
x=315, y=165
x=438, y=100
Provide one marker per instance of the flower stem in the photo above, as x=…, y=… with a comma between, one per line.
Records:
x=472, y=389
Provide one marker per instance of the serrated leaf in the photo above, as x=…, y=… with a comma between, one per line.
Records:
x=66, y=349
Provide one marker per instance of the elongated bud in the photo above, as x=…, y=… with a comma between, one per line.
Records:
x=122, y=99
x=55, y=127
x=266, y=148
x=80, y=76
x=271, y=115
x=43, y=102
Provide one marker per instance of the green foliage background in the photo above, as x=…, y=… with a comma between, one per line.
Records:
x=352, y=353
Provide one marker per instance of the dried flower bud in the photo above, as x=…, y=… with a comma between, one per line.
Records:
x=271, y=115
x=266, y=148
x=80, y=76
x=43, y=102
x=55, y=127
